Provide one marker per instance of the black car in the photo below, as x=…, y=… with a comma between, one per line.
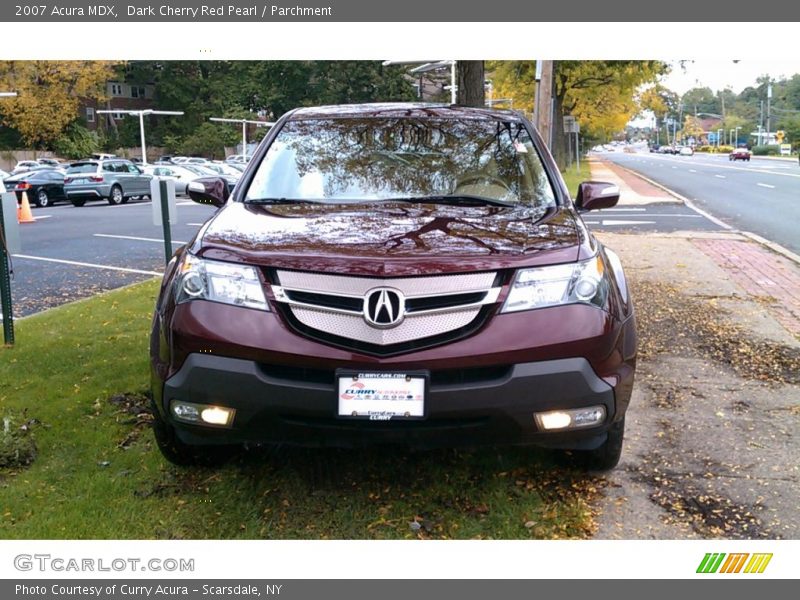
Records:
x=43, y=186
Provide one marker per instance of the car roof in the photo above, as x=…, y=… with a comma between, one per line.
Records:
x=403, y=109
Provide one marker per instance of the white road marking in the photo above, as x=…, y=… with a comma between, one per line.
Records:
x=138, y=239
x=692, y=170
x=674, y=167
x=720, y=176
x=623, y=222
x=766, y=185
x=43, y=217
x=195, y=224
x=83, y=264
x=621, y=209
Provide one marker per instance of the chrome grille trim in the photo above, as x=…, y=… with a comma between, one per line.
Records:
x=344, y=285
x=417, y=324
x=282, y=294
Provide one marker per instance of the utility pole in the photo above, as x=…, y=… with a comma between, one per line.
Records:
x=141, y=114
x=769, y=103
x=544, y=102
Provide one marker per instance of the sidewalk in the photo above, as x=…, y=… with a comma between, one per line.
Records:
x=633, y=191
x=711, y=435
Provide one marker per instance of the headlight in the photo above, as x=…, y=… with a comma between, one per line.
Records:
x=582, y=282
x=228, y=283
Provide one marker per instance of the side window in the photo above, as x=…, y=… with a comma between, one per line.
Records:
x=121, y=167
x=108, y=167
x=131, y=168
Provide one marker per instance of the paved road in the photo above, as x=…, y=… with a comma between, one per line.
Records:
x=657, y=218
x=761, y=196
x=72, y=253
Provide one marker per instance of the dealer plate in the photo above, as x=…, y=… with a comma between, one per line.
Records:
x=381, y=396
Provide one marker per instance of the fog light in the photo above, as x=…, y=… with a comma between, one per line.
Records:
x=216, y=415
x=191, y=412
x=570, y=419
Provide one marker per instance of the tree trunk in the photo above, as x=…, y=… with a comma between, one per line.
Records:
x=470, y=81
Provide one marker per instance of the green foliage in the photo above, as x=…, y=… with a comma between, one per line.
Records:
x=766, y=150
x=514, y=79
x=209, y=140
x=76, y=142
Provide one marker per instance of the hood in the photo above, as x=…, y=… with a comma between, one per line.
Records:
x=391, y=239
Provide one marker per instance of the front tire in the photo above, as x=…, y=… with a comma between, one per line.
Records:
x=607, y=456
x=116, y=196
x=185, y=455
x=42, y=199
x=78, y=203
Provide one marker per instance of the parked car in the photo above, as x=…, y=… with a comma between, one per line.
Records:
x=165, y=158
x=395, y=273
x=115, y=180
x=235, y=158
x=207, y=171
x=179, y=159
x=740, y=154
x=26, y=165
x=50, y=162
x=42, y=186
x=196, y=160
x=224, y=170
x=4, y=174
x=177, y=173
x=686, y=151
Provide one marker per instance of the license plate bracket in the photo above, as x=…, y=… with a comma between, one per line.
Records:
x=382, y=395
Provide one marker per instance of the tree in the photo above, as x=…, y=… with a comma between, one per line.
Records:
x=600, y=94
x=470, y=80
x=49, y=94
x=514, y=79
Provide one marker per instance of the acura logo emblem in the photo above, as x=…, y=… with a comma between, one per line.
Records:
x=384, y=307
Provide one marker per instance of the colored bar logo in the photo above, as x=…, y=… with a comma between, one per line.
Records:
x=734, y=563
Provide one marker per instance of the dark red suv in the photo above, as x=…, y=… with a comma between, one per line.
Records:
x=395, y=273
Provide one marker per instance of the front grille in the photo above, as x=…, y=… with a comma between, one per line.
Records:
x=331, y=308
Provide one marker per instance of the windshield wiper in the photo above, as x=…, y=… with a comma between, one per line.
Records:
x=457, y=200
x=280, y=201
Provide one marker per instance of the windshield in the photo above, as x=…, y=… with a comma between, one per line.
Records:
x=362, y=159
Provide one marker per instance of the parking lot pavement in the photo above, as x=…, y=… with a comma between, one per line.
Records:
x=711, y=436
x=71, y=253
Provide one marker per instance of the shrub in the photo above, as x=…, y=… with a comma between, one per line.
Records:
x=76, y=142
x=766, y=150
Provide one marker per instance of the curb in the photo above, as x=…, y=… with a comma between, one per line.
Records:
x=777, y=248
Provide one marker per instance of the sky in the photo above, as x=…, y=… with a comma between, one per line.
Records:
x=720, y=74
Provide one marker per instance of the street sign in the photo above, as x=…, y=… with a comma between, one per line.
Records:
x=786, y=149
x=571, y=125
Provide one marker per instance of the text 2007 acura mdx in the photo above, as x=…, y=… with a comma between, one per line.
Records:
x=401, y=273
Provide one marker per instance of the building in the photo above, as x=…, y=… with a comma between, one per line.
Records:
x=121, y=95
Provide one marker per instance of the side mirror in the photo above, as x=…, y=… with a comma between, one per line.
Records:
x=208, y=190
x=594, y=195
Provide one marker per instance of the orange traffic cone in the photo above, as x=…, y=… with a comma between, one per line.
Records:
x=24, y=214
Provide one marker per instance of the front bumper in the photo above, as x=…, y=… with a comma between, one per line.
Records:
x=280, y=407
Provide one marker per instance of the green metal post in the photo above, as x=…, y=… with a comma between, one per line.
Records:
x=165, y=221
x=5, y=288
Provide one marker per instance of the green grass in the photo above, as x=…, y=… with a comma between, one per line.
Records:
x=98, y=475
x=573, y=176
